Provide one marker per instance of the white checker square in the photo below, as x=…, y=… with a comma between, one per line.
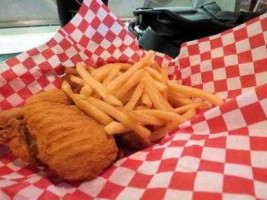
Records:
x=90, y=31
x=19, y=69
x=116, y=28
x=3, y=67
x=242, y=171
x=183, y=52
x=213, y=154
x=122, y=176
x=204, y=46
x=264, y=105
x=231, y=60
x=17, y=84
x=129, y=51
x=21, y=57
x=188, y=164
x=102, y=29
x=259, y=53
x=34, y=87
x=17, y=164
x=201, y=128
x=12, y=175
x=4, y=196
x=246, y=69
x=70, y=52
x=247, y=98
x=15, y=99
x=29, y=192
x=76, y=35
x=214, y=112
x=208, y=182
x=227, y=196
x=208, y=87
x=195, y=143
x=228, y=39
x=77, y=19
x=196, y=79
x=130, y=193
x=181, y=137
x=261, y=78
x=89, y=16
x=259, y=129
x=128, y=40
x=205, y=66
x=217, y=53
x=237, y=142
x=186, y=72
x=54, y=61
x=172, y=152
x=258, y=159
x=242, y=45
x=219, y=74
x=140, y=155
x=93, y=187
x=6, y=183
x=58, y=37
x=254, y=29
x=38, y=59
x=194, y=60
x=161, y=180
x=178, y=194
x=61, y=189
x=105, y=43
x=101, y=13
x=234, y=120
x=233, y=83
x=149, y=167
x=260, y=189
x=92, y=46
x=265, y=36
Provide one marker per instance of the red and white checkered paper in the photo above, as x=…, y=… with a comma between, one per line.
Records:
x=220, y=154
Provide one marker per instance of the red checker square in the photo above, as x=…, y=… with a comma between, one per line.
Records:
x=76, y=58
x=9, y=75
x=193, y=49
x=229, y=106
x=261, y=92
x=195, y=120
x=198, y=137
x=251, y=118
x=28, y=63
x=238, y=157
x=256, y=41
x=203, y=39
x=215, y=43
x=77, y=195
x=211, y=166
x=184, y=62
x=248, y=81
x=108, y=20
x=229, y=49
x=240, y=34
x=48, y=53
x=48, y=195
x=258, y=144
x=155, y=194
x=27, y=78
x=28, y=170
x=264, y=24
x=65, y=44
x=206, y=196
x=122, y=34
x=177, y=143
x=12, y=62
x=43, y=81
x=5, y=170
x=110, y=191
x=232, y=71
x=69, y=28
x=111, y=49
x=216, y=142
x=252, y=21
x=217, y=63
x=234, y=93
x=194, y=151
x=220, y=86
x=94, y=6
x=205, y=56
x=24, y=93
x=239, y=131
x=5, y=104
x=182, y=181
x=95, y=22
x=244, y=57
x=43, y=183
x=98, y=38
x=233, y=184
x=132, y=164
x=83, y=26
x=110, y=36
x=83, y=10
x=140, y=180
x=207, y=76
x=195, y=69
x=260, y=65
x=12, y=190
x=217, y=124
x=51, y=43
x=6, y=91
x=33, y=52
x=63, y=57
x=156, y=154
x=167, y=165
x=259, y=174
x=84, y=41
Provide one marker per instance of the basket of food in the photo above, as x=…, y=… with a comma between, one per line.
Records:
x=89, y=115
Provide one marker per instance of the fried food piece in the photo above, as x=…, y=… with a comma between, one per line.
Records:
x=71, y=144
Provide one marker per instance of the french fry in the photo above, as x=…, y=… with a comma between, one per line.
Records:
x=97, y=86
x=101, y=75
x=134, y=98
x=124, y=66
x=185, y=108
x=164, y=75
x=128, y=85
x=164, y=115
x=76, y=80
x=145, y=119
x=122, y=78
x=159, y=133
x=121, y=117
x=195, y=92
x=179, y=101
x=156, y=97
x=113, y=73
x=154, y=73
x=71, y=71
x=124, y=99
x=90, y=69
x=190, y=113
x=161, y=87
x=116, y=128
x=86, y=90
x=88, y=108
x=146, y=100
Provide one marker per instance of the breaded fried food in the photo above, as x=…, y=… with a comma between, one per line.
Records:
x=71, y=144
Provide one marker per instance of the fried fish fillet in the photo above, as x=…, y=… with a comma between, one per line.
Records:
x=61, y=136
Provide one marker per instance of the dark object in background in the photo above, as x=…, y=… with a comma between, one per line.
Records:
x=165, y=29
x=68, y=8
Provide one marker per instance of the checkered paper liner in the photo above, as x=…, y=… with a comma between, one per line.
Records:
x=220, y=154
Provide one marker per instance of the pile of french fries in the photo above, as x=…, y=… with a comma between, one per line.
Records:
x=137, y=97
